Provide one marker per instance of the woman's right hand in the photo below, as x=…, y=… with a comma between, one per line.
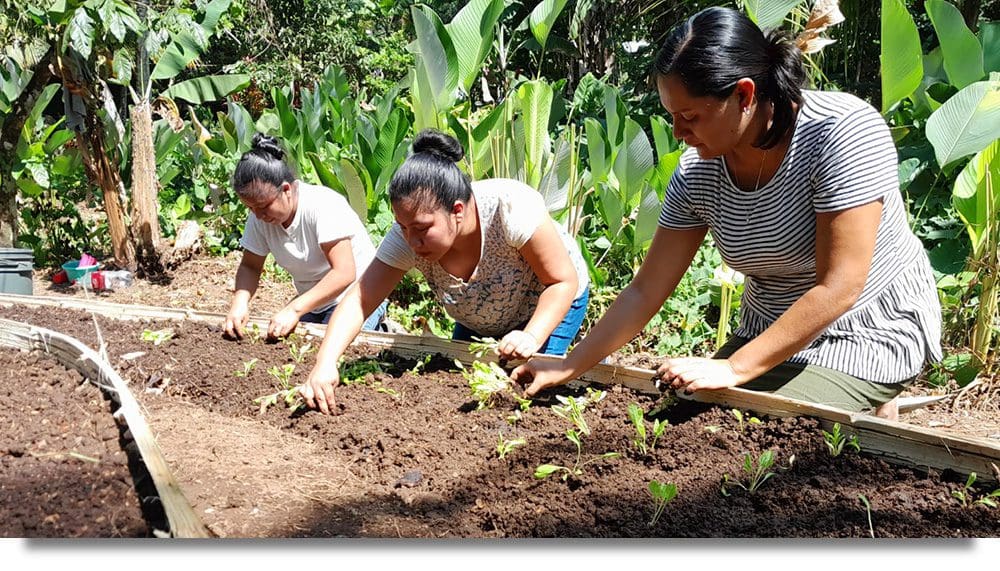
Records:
x=318, y=390
x=236, y=320
x=542, y=374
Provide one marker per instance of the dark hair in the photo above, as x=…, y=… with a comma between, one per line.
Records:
x=263, y=163
x=716, y=47
x=431, y=172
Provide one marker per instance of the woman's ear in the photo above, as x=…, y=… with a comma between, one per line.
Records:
x=458, y=209
x=746, y=92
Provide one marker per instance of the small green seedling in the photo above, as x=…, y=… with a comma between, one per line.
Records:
x=482, y=346
x=486, y=381
x=638, y=422
x=966, y=493
x=158, y=336
x=756, y=473
x=836, y=440
x=743, y=424
x=253, y=333
x=662, y=494
x=421, y=364
x=288, y=393
x=505, y=447
x=299, y=352
x=247, y=367
x=356, y=371
x=868, y=508
x=572, y=409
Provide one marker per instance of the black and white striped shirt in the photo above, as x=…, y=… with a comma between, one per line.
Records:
x=841, y=156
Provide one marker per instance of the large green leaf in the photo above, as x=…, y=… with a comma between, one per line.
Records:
x=967, y=122
x=543, y=18
x=554, y=186
x=989, y=37
x=207, y=88
x=535, y=99
x=472, y=31
x=245, y=127
x=768, y=14
x=437, y=68
x=597, y=149
x=633, y=161
x=357, y=184
x=902, y=59
x=213, y=11
x=963, y=56
x=80, y=33
x=647, y=218
x=182, y=50
x=976, y=195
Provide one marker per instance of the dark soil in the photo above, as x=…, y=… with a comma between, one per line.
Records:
x=409, y=455
x=63, y=472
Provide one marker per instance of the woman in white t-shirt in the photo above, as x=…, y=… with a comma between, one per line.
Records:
x=310, y=230
x=490, y=252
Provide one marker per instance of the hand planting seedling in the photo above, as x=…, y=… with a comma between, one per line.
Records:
x=247, y=367
x=756, y=472
x=836, y=440
x=638, y=422
x=967, y=492
x=662, y=494
x=868, y=508
x=738, y=414
x=158, y=336
x=505, y=447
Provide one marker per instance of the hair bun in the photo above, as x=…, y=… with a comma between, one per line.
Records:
x=439, y=144
x=268, y=144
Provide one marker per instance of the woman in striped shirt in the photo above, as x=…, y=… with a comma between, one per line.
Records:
x=800, y=192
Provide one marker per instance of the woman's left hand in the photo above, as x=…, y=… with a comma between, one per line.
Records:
x=691, y=374
x=518, y=345
x=283, y=323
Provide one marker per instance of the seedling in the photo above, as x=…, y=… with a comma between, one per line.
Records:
x=482, y=346
x=868, y=508
x=505, y=447
x=836, y=440
x=966, y=493
x=253, y=333
x=356, y=371
x=299, y=352
x=158, y=336
x=247, y=367
x=572, y=409
x=738, y=414
x=486, y=381
x=288, y=393
x=421, y=364
x=662, y=494
x=756, y=473
x=638, y=422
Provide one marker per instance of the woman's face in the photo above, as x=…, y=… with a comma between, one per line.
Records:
x=275, y=205
x=429, y=230
x=710, y=125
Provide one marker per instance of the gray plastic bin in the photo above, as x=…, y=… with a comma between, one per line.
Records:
x=15, y=271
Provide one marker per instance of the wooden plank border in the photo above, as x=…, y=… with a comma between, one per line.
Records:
x=74, y=354
x=896, y=442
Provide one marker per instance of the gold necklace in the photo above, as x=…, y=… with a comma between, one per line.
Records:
x=756, y=188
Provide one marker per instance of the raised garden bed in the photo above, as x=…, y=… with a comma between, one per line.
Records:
x=410, y=455
x=64, y=471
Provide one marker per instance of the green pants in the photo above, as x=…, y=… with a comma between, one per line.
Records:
x=817, y=384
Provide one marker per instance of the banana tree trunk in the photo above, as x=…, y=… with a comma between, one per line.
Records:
x=145, y=219
x=105, y=175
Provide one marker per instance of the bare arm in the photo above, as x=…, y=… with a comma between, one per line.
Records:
x=361, y=299
x=247, y=280
x=341, y=275
x=548, y=258
x=668, y=258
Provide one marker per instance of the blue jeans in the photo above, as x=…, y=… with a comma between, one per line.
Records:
x=373, y=323
x=558, y=342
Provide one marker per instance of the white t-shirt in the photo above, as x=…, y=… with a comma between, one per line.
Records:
x=322, y=216
x=503, y=291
